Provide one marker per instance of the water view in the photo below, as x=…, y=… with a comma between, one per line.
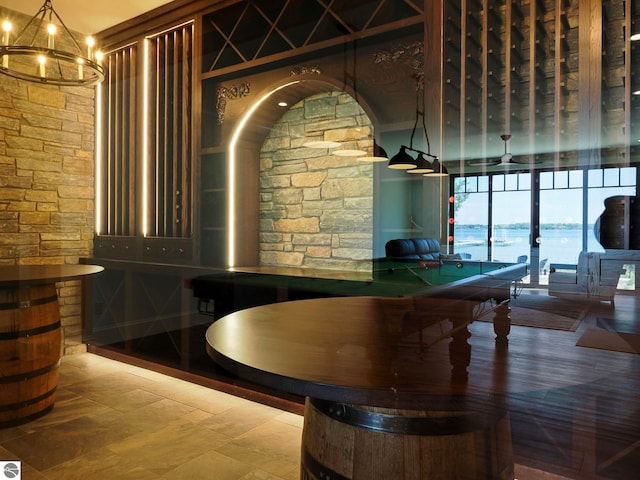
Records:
x=558, y=246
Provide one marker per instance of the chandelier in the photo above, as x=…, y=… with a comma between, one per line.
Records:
x=46, y=52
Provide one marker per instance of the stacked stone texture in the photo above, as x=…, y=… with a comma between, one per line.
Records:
x=47, y=184
x=316, y=208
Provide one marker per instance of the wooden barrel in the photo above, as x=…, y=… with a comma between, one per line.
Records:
x=341, y=441
x=30, y=347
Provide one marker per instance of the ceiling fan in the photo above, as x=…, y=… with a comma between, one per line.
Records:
x=506, y=159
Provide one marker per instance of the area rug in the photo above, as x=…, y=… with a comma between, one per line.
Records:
x=527, y=317
x=608, y=340
x=543, y=311
x=563, y=307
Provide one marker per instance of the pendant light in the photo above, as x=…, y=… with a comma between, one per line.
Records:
x=422, y=165
x=402, y=160
x=379, y=155
x=439, y=170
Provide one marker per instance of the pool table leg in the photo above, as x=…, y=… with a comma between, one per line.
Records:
x=502, y=322
x=460, y=354
x=459, y=347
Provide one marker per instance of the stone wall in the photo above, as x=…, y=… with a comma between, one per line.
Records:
x=316, y=208
x=47, y=183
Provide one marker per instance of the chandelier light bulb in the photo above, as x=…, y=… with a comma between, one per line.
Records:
x=42, y=60
x=90, y=44
x=80, y=69
x=51, y=30
x=6, y=28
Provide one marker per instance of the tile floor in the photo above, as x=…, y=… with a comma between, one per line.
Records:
x=115, y=421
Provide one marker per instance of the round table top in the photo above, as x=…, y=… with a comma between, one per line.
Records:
x=379, y=351
x=11, y=275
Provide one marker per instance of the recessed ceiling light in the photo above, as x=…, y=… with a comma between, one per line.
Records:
x=283, y=104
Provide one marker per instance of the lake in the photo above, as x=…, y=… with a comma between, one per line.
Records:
x=558, y=246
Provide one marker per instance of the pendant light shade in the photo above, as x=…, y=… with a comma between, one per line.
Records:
x=422, y=165
x=379, y=155
x=439, y=170
x=401, y=160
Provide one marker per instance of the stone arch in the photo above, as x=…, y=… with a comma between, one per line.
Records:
x=316, y=207
x=246, y=206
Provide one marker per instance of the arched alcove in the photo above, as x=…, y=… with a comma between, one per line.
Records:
x=287, y=201
x=316, y=207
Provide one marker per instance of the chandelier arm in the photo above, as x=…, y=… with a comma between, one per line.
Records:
x=42, y=12
x=67, y=31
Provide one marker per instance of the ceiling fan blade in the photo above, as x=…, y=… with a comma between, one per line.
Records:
x=484, y=162
x=526, y=160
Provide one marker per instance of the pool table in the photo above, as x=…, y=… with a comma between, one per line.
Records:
x=229, y=291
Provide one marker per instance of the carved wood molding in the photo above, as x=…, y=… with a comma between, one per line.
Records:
x=233, y=92
x=305, y=70
x=411, y=54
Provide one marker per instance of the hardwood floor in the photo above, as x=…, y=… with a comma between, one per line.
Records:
x=119, y=421
x=589, y=429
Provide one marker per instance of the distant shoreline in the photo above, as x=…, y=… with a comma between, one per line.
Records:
x=525, y=226
x=559, y=243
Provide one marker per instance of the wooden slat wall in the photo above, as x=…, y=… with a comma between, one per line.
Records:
x=170, y=120
x=508, y=70
x=169, y=146
x=118, y=151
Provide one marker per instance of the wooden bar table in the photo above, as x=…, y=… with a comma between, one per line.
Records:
x=30, y=338
x=381, y=377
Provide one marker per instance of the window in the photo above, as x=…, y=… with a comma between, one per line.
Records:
x=493, y=214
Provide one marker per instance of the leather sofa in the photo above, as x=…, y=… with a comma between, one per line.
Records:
x=412, y=249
